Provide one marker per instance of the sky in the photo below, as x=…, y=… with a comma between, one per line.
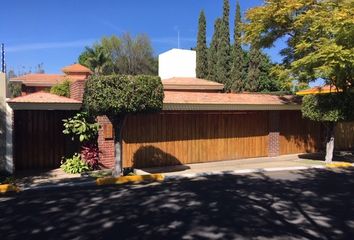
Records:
x=55, y=32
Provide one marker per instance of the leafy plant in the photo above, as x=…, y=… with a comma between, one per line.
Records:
x=15, y=89
x=81, y=126
x=61, y=89
x=90, y=154
x=74, y=165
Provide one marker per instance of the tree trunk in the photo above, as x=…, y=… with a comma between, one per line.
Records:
x=330, y=142
x=118, y=153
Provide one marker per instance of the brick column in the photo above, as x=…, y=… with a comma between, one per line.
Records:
x=274, y=139
x=77, y=89
x=106, y=142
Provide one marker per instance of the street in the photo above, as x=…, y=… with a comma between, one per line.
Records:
x=309, y=204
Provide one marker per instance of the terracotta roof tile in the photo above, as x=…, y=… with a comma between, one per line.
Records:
x=76, y=68
x=42, y=97
x=228, y=98
x=181, y=83
x=40, y=79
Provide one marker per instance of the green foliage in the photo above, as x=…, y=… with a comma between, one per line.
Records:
x=223, y=52
x=121, y=55
x=237, y=74
x=213, y=51
x=61, y=89
x=202, y=50
x=74, y=165
x=319, y=38
x=328, y=107
x=254, y=73
x=97, y=59
x=15, y=89
x=81, y=126
x=120, y=94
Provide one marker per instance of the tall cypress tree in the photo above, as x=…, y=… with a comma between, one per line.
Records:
x=213, y=51
x=236, y=78
x=254, y=73
x=202, y=50
x=223, y=54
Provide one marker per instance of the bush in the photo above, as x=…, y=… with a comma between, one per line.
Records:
x=90, y=155
x=81, y=126
x=74, y=165
x=15, y=89
x=120, y=94
x=61, y=89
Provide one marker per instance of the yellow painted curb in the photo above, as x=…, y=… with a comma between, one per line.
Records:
x=129, y=179
x=338, y=165
x=8, y=188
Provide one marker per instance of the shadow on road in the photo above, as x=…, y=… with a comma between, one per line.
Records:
x=318, y=205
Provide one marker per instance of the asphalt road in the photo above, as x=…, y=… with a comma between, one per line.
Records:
x=311, y=204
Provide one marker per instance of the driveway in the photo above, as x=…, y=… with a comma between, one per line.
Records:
x=311, y=204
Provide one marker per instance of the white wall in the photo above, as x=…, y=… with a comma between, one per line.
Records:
x=177, y=63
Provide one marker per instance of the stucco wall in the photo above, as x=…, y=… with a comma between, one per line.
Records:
x=177, y=63
x=2, y=121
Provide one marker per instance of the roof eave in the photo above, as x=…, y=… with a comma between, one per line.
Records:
x=44, y=106
x=228, y=107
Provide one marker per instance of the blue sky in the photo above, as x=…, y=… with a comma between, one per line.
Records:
x=55, y=32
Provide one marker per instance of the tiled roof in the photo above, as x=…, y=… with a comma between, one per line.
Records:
x=76, y=68
x=319, y=90
x=228, y=98
x=40, y=79
x=182, y=83
x=42, y=97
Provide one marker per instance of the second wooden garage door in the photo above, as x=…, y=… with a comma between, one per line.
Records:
x=170, y=139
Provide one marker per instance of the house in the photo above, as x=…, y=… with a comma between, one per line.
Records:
x=36, y=82
x=177, y=63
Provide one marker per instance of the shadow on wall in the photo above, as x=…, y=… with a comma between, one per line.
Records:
x=344, y=136
x=150, y=156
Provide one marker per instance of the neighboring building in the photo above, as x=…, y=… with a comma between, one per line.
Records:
x=36, y=82
x=177, y=63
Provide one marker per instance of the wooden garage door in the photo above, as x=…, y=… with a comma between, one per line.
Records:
x=298, y=135
x=179, y=138
x=38, y=139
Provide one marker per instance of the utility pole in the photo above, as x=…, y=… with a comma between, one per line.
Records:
x=3, y=66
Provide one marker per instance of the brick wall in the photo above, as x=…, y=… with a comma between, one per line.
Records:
x=274, y=139
x=106, y=142
x=77, y=89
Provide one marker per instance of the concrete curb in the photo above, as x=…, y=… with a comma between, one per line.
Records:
x=129, y=179
x=253, y=170
x=4, y=188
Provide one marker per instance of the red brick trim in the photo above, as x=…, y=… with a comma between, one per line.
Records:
x=105, y=145
x=274, y=139
x=77, y=89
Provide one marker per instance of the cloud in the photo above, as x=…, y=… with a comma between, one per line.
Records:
x=49, y=45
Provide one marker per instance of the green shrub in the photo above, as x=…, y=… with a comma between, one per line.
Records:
x=81, y=126
x=74, y=165
x=116, y=95
x=61, y=89
x=15, y=89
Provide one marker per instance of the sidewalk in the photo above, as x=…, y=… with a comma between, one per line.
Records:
x=281, y=162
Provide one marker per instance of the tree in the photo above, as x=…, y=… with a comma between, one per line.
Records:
x=237, y=74
x=213, y=51
x=121, y=55
x=254, y=73
x=61, y=89
x=202, y=50
x=118, y=96
x=223, y=52
x=319, y=42
x=97, y=59
x=329, y=109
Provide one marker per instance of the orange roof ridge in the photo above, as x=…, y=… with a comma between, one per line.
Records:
x=76, y=67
